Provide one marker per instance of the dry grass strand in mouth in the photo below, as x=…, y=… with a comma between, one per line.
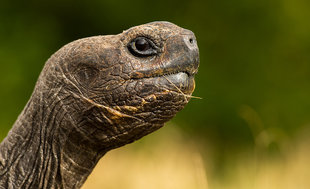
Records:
x=185, y=95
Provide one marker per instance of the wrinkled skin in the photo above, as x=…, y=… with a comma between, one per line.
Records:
x=94, y=95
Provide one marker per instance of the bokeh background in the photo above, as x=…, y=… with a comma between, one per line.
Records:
x=250, y=130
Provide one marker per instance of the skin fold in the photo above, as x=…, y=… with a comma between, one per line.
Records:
x=96, y=94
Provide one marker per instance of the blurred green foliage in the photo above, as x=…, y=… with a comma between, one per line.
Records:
x=255, y=58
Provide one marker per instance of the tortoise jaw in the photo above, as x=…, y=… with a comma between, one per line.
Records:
x=190, y=68
x=174, y=78
x=179, y=82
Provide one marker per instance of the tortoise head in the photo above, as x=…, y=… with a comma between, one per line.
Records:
x=118, y=88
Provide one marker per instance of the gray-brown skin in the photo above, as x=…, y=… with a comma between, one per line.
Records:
x=94, y=95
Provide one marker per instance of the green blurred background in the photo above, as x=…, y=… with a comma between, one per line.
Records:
x=254, y=73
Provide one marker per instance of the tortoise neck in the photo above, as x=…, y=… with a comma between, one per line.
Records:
x=39, y=153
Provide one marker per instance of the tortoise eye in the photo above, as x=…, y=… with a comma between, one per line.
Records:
x=142, y=46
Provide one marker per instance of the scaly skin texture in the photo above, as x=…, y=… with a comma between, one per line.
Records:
x=94, y=95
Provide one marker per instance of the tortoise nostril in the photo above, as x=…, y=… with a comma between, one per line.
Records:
x=191, y=40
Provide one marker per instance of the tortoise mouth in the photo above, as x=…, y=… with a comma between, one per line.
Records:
x=163, y=72
x=177, y=78
x=175, y=75
x=180, y=82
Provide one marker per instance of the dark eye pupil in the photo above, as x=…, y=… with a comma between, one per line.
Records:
x=142, y=44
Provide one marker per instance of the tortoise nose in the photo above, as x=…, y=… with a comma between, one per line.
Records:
x=191, y=44
x=190, y=40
